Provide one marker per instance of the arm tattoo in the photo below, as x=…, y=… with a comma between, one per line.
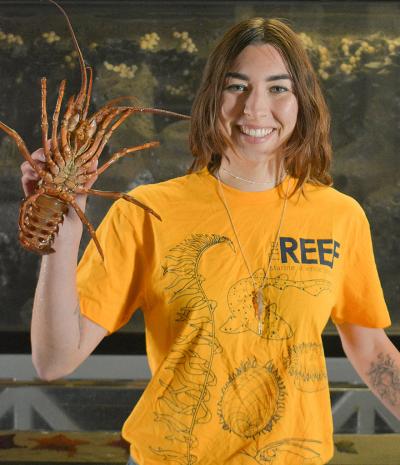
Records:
x=77, y=312
x=385, y=378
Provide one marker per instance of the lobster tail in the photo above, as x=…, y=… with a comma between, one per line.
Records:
x=39, y=221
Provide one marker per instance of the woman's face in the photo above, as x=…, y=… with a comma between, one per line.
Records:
x=259, y=108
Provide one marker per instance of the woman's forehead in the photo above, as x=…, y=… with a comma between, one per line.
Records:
x=260, y=58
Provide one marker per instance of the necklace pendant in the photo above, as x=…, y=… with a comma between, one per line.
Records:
x=254, y=300
x=260, y=303
x=260, y=327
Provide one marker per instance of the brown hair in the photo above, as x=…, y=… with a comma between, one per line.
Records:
x=308, y=151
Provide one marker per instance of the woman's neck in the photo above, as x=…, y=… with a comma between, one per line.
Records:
x=251, y=176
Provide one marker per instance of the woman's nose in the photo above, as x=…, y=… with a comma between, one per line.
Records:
x=256, y=104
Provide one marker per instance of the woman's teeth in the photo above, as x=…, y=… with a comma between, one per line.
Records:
x=262, y=132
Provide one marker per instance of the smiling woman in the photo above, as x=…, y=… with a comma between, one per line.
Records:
x=258, y=78
x=254, y=253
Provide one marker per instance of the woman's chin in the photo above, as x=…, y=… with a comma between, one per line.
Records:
x=256, y=152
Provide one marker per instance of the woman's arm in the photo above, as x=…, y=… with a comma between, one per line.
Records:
x=376, y=360
x=61, y=337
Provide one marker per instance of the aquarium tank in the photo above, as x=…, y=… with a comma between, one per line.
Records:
x=154, y=52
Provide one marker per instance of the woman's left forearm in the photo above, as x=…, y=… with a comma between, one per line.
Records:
x=380, y=370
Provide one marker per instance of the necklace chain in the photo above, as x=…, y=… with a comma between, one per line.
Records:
x=258, y=300
x=255, y=182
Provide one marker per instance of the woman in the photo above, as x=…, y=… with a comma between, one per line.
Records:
x=254, y=253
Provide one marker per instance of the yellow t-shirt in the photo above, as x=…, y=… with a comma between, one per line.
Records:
x=220, y=393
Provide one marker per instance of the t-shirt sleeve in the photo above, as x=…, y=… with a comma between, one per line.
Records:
x=360, y=297
x=111, y=290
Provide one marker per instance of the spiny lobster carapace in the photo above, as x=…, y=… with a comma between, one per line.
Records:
x=68, y=160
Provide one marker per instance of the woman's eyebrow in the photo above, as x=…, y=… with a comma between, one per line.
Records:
x=243, y=77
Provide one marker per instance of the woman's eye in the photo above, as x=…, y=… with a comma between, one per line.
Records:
x=278, y=89
x=236, y=87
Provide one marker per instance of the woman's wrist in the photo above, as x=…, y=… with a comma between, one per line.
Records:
x=69, y=232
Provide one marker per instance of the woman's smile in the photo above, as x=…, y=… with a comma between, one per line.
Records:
x=254, y=134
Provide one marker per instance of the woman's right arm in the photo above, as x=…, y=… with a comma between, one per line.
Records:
x=61, y=337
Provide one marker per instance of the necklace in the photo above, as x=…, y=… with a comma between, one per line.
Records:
x=255, y=182
x=258, y=297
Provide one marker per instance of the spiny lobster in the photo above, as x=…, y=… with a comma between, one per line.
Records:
x=73, y=150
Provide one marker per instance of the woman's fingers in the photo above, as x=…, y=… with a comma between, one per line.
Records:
x=38, y=157
x=28, y=185
x=30, y=177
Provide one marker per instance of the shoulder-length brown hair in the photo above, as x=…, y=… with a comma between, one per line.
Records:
x=307, y=153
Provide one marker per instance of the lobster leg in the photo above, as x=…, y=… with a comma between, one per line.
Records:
x=129, y=110
x=86, y=153
x=123, y=97
x=114, y=158
x=45, y=126
x=95, y=151
x=156, y=111
x=24, y=151
x=65, y=130
x=102, y=137
x=70, y=200
x=54, y=142
x=102, y=132
x=110, y=132
x=119, y=195
x=101, y=114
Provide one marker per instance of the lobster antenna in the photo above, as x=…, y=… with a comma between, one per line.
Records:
x=76, y=45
